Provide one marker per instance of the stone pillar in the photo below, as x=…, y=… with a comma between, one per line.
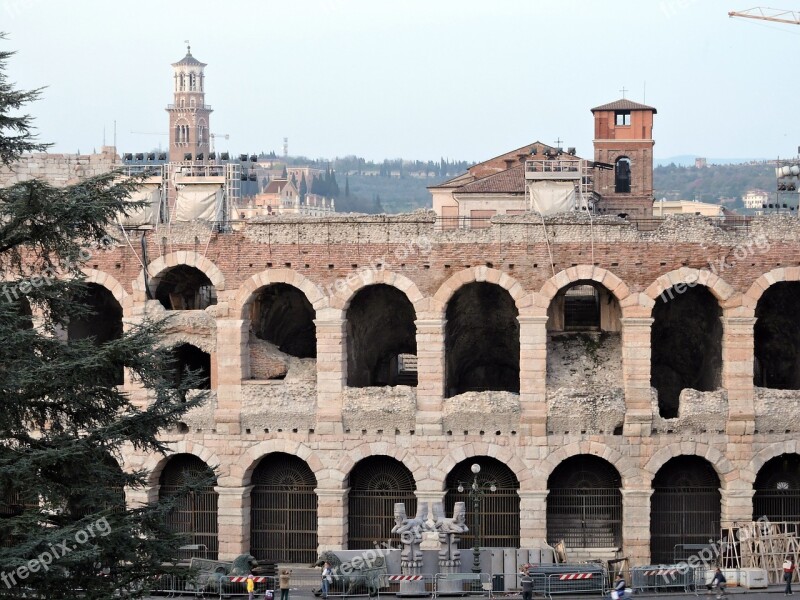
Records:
x=332, y=528
x=736, y=505
x=636, y=375
x=636, y=525
x=233, y=365
x=737, y=373
x=331, y=371
x=233, y=521
x=533, y=373
x=430, y=375
x=532, y=518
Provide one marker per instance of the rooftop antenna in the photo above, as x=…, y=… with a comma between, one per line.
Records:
x=623, y=90
x=285, y=147
x=644, y=93
x=115, y=133
x=104, y=135
x=188, y=47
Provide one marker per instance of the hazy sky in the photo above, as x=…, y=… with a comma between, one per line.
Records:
x=418, y=79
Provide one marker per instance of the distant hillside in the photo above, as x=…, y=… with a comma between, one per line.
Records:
x=393, y=194
x=712, y=183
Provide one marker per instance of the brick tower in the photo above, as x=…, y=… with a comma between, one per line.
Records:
x=189, y=114
x=623, y=139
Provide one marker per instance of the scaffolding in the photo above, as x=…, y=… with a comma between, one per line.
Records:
x=761, y=545
x=571, y=178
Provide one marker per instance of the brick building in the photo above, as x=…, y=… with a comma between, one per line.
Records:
x=626, y=391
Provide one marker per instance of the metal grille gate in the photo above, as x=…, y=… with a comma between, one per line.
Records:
x=283, y=523
x=585, y=518
x=376, y=483
x=777, y=487
x=195, y=513
x=499, y=509
x=682, y=515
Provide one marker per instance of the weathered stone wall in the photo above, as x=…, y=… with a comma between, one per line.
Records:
x=60, y=169
x=572, y=400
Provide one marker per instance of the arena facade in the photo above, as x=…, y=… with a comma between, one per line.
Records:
x=628, y=385
x=598, y=426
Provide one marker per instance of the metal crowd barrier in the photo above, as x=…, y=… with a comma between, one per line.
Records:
x=578, y=582
x=508, y=586
x=461, y=584
x=663, y=577
x=236, y=586
x=411, y=585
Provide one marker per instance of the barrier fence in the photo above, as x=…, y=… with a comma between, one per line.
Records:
x=585, y=579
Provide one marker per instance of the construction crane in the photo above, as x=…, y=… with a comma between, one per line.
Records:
x=775, y=15
x=213, y=136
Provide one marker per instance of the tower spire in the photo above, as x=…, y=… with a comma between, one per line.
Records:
x=188, y=47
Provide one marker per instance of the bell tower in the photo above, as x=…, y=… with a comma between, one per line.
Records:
x=188, y=114
x=623, y=144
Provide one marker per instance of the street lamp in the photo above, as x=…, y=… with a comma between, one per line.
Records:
x=476, y=493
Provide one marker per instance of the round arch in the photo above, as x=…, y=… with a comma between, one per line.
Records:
x=627, y=467
x=600, y=276
x=408, y=458
x=107, y=281
x=362, y=278
x=524, y=474
x=749, y=474
x=241, y=472
x=721, y=290
x=480, y=274
x=722, y=466
x=155, y=463
x=248, y=291
x=763, y=283
x=174, y=259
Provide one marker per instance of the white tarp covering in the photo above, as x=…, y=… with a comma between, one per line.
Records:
x=196, y=201
x=146, y=215
x=551, y=197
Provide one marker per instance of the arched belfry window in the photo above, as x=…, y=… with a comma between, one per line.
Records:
x=622, y=175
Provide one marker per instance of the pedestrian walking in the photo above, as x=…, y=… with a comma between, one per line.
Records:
x=527, y=585
x=251, y=587
x=283, y=581
x=327, y=579
x=788, y=574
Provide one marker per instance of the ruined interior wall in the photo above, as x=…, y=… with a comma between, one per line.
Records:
x=60, y=169
x=388, y=409
x=700, y=412
x=777, y=411
x=477, y=412
x=278, y=406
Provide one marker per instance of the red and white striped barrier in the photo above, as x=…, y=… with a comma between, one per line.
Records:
x=244, y=579
x=406, y=577
x=572, y=576
x=662, y=572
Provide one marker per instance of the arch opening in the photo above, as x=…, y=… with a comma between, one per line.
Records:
x=283, y=510
x=481, y=340
x=777, y=490
x=184, y=288
x=499, y=510
x=685, y=345
x=191, y=359
x=622, y=175
x=102, y=323
x=584, y=503
x=777, y=337
x=381, y=338
x=195, y=511
x=376, y=484
x=685, y=508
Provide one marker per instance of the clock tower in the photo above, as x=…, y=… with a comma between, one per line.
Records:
x=188, y=114
x=623, y=144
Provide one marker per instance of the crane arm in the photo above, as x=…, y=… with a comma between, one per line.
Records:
x=768, y=14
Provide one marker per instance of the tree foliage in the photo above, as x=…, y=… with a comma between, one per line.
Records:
x=64, y=529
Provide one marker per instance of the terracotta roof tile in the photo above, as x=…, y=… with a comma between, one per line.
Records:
x=510, y=181
x=624, y=104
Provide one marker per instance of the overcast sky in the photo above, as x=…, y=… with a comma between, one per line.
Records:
x=418, y=79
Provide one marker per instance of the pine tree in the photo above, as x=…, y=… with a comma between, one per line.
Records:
x=64, y=422
x=284, y=173
x=346, y=186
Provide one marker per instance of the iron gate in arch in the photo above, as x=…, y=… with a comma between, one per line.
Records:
x=195, y=512
x=684, y=507
x=777, y=489
x=376, y=483
x=584, y=504
x=499, y=510
x=283, y=510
